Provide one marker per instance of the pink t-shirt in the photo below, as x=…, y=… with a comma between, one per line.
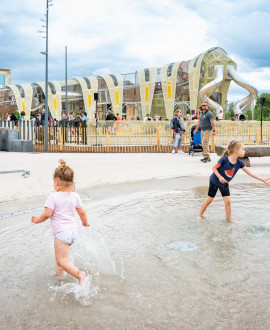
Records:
x=64, y=205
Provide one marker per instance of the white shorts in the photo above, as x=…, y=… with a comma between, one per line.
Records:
x=68, y=236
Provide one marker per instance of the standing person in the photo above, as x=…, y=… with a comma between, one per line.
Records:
x=43, y=117
x=64, y=124
x=64, y=116
x=13, y=117
x=72, y=116
x=118, y=123
x=236, y=117
x=85, y=117
x=223, y=172
x=220, y=115
x=60, y=207
x=22, y=115
x=36, y=100
x=110, y=117
x=38, y=119
x=207, y=124
x=147, y=117
x=178, y=129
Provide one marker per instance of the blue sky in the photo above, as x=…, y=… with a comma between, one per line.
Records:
x=122, y=36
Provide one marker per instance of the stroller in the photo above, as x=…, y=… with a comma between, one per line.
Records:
x=196, y=141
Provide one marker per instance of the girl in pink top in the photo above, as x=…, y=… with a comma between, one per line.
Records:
x=60, y=207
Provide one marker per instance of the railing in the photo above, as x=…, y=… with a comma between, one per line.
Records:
x=132, y=136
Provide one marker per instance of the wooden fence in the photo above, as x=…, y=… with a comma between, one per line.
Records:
x=133, y=136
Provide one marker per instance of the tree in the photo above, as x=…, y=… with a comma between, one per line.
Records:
x=229, y=112
x=248, y=113
x=265, y=108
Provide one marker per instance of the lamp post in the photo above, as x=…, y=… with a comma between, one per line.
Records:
x=46, y=53
x=67, y=111
x=262, y=101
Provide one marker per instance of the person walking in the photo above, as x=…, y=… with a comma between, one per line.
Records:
x=178, y=129
x=61, y=207
x=207, y=125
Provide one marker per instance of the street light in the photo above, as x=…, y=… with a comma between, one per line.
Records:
x=262, y=101
x=66, y=107
x=48, y=4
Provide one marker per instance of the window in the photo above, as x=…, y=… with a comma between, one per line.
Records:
x=2, y=79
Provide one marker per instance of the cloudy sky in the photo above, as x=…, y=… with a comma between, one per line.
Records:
x=120, y=36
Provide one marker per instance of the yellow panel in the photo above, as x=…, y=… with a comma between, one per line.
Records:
x=89, y=100
x=146, y=94
x=169, y=90
x=23, y=106
x=117, y=97
x=54, y=103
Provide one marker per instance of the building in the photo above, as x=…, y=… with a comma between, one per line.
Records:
x=5, y=76
x=157, y=91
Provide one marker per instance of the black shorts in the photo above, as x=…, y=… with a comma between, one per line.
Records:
x=213, y=188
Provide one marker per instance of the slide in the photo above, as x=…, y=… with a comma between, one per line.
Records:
x=253, y=93
x=212, y=87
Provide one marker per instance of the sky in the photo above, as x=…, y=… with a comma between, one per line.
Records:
x=123, y=36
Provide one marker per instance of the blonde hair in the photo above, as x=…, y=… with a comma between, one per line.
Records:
x=65, y=175
x=232, y=147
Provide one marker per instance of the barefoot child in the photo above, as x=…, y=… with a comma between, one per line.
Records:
x=224, y=171
x=60, y=206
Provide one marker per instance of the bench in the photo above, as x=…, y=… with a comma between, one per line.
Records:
x=251, y=151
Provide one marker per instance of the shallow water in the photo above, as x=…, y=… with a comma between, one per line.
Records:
x=150, y=264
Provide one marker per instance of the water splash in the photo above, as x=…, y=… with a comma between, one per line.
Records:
x=259, y=230
x=217, y=239
x=94, y=252
x=190, y=230
x=182, y=246
x=83, y=294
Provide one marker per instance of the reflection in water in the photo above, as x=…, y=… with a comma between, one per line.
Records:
x=150, y=264
x=259, y=230
x=182, y=246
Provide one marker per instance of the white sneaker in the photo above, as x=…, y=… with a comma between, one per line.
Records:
x=180, y=152
x=173, y=152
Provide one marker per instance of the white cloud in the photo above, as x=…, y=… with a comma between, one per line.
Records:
x=124, y=36
x=102, y=71
x=260, y=79
x=144, y=34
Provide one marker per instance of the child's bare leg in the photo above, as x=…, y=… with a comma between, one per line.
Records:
x=228, y=210
x=204, y=206
x=58, y=270
x=61, y=254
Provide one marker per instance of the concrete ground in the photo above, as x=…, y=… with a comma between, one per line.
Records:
x=100, y=170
